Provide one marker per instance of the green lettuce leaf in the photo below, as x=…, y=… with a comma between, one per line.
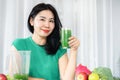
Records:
x=104, y=73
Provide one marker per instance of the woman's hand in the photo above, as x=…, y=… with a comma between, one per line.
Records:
x=74, y=43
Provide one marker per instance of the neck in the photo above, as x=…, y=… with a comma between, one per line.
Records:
x=39, y=40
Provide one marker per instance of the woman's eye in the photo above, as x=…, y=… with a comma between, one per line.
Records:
x=42, y=19
x=52, y=21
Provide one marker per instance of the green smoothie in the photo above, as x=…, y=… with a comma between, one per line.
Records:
x=65, y=34
x=21, y=76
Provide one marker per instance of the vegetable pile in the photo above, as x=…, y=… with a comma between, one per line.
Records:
x=99, y=73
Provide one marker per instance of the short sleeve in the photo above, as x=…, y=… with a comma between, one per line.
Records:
x=19, y=44
x=61, y=52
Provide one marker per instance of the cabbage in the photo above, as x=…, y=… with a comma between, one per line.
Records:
x=104, y=73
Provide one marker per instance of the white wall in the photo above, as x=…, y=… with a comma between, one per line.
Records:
x=116, y=35
x=2, y=18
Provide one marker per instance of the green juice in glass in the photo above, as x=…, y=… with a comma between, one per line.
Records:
x=21, y=76
x=65, y=34
x=18, y=76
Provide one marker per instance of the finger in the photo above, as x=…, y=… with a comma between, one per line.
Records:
x=75, y=46
x=72, y=37
x=74, y=43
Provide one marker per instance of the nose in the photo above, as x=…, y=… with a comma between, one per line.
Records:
x=47, y=24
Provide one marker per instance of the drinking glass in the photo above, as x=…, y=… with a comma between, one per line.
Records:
x=65, y=34
x=18, y=65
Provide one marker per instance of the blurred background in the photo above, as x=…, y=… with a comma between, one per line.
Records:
x=95, y=22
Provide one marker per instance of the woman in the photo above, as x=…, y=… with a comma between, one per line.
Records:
x=49, y=61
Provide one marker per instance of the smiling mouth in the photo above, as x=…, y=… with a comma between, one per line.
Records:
x=46, y=31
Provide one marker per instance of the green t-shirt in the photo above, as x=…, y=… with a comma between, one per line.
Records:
x=42, y=65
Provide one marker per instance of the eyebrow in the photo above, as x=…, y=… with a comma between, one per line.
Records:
x=45, y=17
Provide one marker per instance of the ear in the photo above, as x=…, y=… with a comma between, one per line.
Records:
x=31, y=21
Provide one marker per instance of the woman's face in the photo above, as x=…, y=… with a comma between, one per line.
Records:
x=43, y=23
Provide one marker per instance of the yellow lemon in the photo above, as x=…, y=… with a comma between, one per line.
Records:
x=93, y=76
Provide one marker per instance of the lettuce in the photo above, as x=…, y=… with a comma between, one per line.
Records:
x=116, y=78
x=104, y=73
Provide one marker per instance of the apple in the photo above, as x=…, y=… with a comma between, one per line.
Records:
x=3, y=77
x=93, y=76
x=82, y=76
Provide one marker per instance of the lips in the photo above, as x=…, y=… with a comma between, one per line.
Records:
x=46, y=31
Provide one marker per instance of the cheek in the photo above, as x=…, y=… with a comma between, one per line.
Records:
x=36, y=29
x=37, y=24
x=52, y=28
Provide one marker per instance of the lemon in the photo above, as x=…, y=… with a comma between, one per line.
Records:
x=93, y=76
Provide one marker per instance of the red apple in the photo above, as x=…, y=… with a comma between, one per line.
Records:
x=82, y=76
x=3, y=77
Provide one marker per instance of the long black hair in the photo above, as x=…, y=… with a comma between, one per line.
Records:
x=53, y=40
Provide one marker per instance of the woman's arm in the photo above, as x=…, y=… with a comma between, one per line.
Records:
x=67, y=67
x=13, y=48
